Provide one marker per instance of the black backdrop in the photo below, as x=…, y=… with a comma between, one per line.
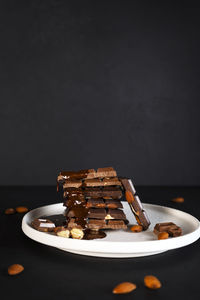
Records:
x=99, y=83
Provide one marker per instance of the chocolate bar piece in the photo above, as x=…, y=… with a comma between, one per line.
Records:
x=100, y=203
x=96, y=224
x=95, y=213
x=72, y=184
x=43, y=225
x=106, y=193
x=106, y=172
x=172, y=229
x=90, y=173
x=111, y=203
x=106, y=224
x=86, y=174
x=104, y=182
x=135, y=203
x=94, y=193
x=96, y=203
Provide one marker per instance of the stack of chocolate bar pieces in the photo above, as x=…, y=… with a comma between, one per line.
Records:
x=93, y=200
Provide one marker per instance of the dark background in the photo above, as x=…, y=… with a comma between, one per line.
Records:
x=88, y=84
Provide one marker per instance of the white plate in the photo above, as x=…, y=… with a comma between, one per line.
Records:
x=119, y=243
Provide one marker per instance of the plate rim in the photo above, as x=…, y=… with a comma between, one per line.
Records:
x=126, y=247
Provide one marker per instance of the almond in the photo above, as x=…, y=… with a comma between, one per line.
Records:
x=21, y=209
x=124, y=288
x=9, y=211
x=152, y=282
x=15, y=269
x=178, y=200
x=163, y=235
x=136, y=228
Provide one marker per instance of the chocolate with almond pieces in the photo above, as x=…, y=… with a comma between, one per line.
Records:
x=135, y=203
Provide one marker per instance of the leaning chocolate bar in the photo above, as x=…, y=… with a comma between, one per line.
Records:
x=135, y=203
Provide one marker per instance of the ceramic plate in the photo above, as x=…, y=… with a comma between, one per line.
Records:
x=119, y=243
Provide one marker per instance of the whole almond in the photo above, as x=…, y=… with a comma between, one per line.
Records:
x=15, y=269
x=178, y=200
x=124, y=288
x=152, y=282
x=21, y=209
x=9, y=211
x=163, y=235
x=136, y=228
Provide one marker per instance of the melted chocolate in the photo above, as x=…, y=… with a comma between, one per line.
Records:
x=94, y=234
x=75, y=175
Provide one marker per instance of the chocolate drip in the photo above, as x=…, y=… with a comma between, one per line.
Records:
x=94, y=234
x=77, y=209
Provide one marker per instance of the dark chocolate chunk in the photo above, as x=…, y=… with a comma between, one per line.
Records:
x=96, y=213
x=106, y=192
x=105, y=182
x=72, y=184
x=111, y=203
x=43, y=225
x=106, y=172
x=100, y=203
x=117, y=214
x=172, y=229
x=116, y=224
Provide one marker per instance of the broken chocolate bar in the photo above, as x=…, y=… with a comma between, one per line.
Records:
x=43, y=225
x=96, y=224
x=95, y=213
x=94, y=193
x=172, y=229
x=135, y=203
x=105, y=182
x=86, y=174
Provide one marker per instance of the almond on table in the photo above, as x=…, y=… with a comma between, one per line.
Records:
x=21, y=209
x=15, y=269
x=10, y=211
x=178, y=200
x=124, y=288
x=152, y=282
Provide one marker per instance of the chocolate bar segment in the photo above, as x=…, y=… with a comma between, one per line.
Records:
x=106, y=193
x=72, y=184
x=105, y=182
x=90, y=173
x=44, y=225
x=95, y=224
x=106, y=172
x=111, y=203
x=172, y=229
x=117, y=214
x=99, y=203
x=135, y=203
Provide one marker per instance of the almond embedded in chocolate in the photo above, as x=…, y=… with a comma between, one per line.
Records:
x=163, y=235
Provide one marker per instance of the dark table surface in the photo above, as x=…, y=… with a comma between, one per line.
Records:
x=53, y=274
